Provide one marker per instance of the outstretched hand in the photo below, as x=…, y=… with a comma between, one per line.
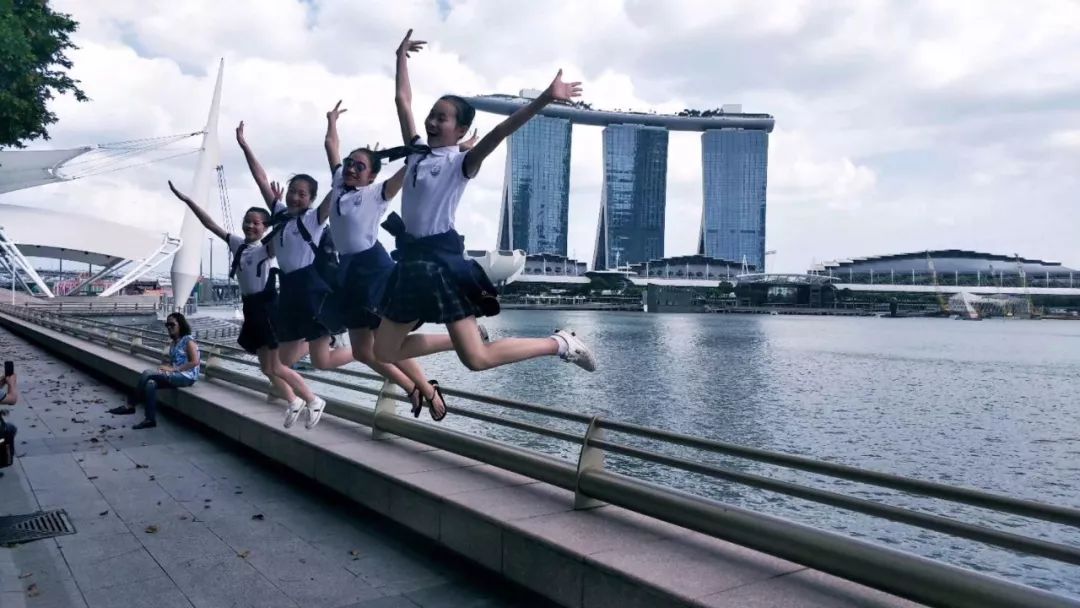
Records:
x=277, y=191
x=408, y=45
x=179, y=195
x=240, y=134
x=333, y=114
x=468, y=144
x=563, y=91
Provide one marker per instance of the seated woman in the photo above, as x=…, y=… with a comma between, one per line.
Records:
x=183, y=371
x=9, y=395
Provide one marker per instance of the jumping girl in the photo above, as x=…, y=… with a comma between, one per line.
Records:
x=354, y=207
x=251, y=265
x=433, y=282
x=299, y=324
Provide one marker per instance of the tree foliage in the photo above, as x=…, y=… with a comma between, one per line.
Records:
x=33, y=68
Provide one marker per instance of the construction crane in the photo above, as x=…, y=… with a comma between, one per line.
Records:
x=937, y=288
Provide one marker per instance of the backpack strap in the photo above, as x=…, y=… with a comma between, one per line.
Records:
x=304, y=234
x=236, y=260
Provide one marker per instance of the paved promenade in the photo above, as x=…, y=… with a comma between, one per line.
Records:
x=175, y=516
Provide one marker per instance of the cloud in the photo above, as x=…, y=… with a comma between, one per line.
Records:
x=900, y=125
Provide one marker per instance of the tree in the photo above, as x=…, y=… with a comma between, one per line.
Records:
x=33, y=68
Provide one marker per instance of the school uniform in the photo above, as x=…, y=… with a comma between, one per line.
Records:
x=433, y=282
x=252, y=267
x=364, y=264
x=303, y=292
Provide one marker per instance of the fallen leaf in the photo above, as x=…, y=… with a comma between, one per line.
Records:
x=26, y=575
x=258, y=517
x=244, y=554
x=32, y=590
x=103, y=514
x=92, y=477
x=151, y=529
x=152, y=478
x=141, y=466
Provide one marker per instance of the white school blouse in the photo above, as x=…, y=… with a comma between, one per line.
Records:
x=293, y=252
x=355, y=214
x=433, y=187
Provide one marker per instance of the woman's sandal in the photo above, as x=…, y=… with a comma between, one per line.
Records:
x=431, y=402
x=416, y=398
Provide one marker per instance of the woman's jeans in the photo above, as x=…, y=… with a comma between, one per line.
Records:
x=150, y=382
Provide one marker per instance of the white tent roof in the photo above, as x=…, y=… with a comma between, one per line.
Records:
x=82, y=238
x=28, y=168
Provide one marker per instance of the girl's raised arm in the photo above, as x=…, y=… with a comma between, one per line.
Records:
x=204, y=217
x=557, y=90
x=257, y=170
x=403, y=92
x=332, y=143
x=393, y=185
x=324, y=206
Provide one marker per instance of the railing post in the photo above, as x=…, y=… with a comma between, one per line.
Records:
x=590, y=458
x=136, y=342
x=384, y=406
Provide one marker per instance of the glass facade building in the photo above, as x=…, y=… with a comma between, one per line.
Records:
x=734, y=171
x=634, y=196
x=536, y=188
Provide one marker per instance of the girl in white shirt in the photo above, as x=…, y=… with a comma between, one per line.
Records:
x=354, y=208
x=251, y=264
x=433, y=282
x=300, y=326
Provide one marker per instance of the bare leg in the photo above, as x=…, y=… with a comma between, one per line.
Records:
x=323, y=357
x=268, y=362
x=363, y=350
x=291, y=352
x=477, y=356
x=293, y=382
x=393, y=342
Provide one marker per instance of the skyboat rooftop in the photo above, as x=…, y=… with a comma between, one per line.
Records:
x=582, y=113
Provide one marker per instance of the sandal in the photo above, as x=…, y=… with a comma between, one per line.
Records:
x=122, y=410
x=417, y=402
x=431, y=402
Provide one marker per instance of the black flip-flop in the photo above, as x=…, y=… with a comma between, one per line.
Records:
x=431, y=402
x=122, y=410
x=418, y=405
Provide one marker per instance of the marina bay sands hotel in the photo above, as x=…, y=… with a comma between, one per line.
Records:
x=630, y=230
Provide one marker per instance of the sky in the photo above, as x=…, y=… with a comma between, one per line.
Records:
x=900, y=126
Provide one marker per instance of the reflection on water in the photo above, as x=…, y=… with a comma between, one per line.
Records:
x=990, y=405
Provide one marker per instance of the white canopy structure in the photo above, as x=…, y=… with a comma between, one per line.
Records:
x=35, y=232
x=28, y=168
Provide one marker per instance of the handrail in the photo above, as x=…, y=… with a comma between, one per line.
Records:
x=903, y=574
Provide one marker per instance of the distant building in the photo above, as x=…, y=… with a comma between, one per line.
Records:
x=536, y=190
x=950, y=267
x=633, y=200
x=630, y=228
x=690, y=267
x=551, y=265
x=734, y=165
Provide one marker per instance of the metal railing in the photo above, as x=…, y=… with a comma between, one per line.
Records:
x=903, y=574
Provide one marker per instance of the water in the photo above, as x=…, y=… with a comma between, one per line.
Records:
x=990, y=405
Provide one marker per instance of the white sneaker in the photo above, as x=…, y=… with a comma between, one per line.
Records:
x=293, y=412
x=576, y=352
x=314, y=410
